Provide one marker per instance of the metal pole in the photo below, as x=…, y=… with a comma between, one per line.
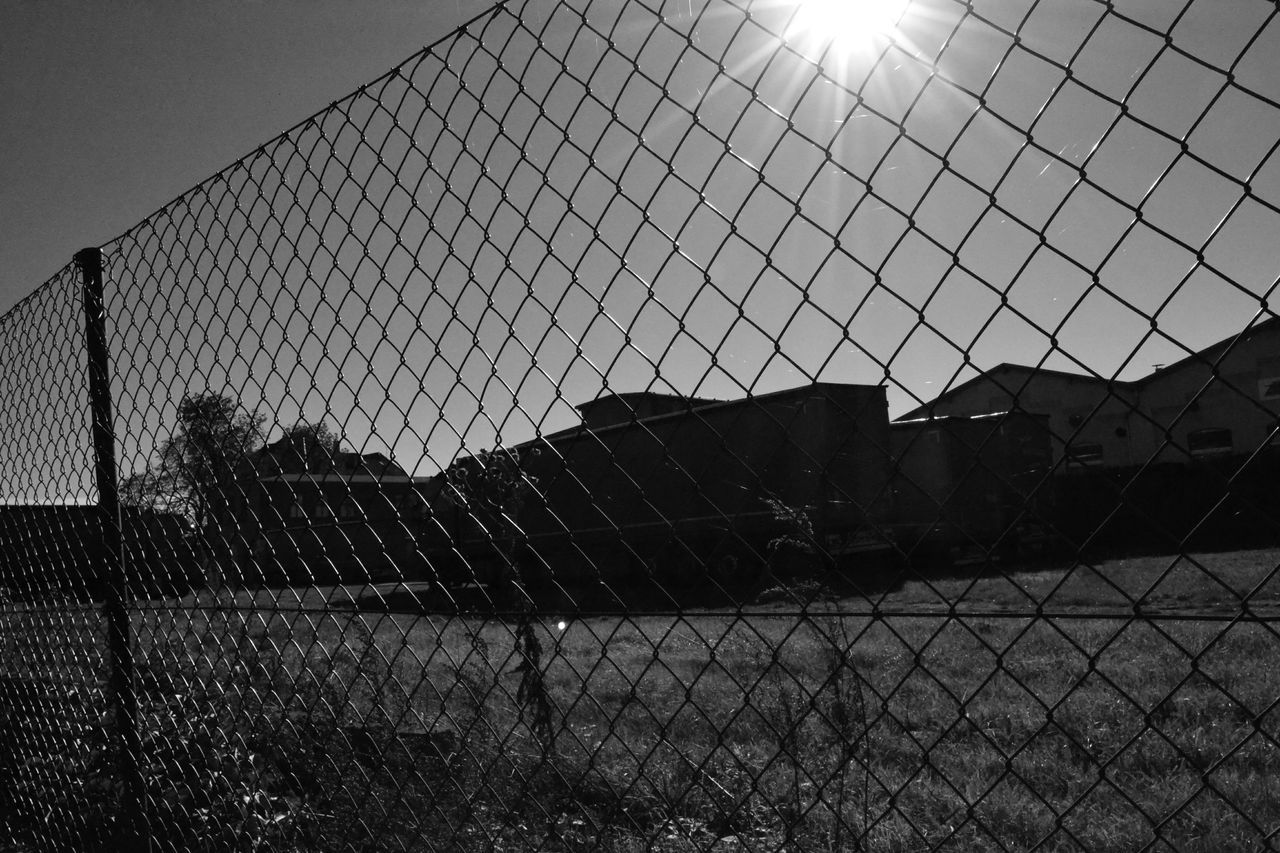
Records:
x=118, y=629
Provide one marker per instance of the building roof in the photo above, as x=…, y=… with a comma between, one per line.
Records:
x=642, y=396
x=695, y=405
x=1204, y=356
x=336, y=477
x=1213, y=352
x=985, y=416
x=926, y=409
x=628, y=406
x=286, y=459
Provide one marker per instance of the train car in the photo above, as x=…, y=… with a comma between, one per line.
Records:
x=56, y=552
x=967, y=489
x=676, y=494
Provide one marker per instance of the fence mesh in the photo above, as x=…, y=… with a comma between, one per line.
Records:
x=707, y=424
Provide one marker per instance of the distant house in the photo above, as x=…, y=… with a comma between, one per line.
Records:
x=1222, y=401
x=324, y=516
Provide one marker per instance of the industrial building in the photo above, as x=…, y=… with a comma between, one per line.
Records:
x=675, y=492
x=1223, y=401
x=678, y=494
x=965, y=486
x=327, y=516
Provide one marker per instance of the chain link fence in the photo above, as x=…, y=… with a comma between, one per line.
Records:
x=694, y=425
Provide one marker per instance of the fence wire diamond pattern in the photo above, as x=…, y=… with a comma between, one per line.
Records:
x=694, y=425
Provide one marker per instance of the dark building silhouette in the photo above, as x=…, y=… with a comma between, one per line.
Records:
x=683, y=492
x=1184, y=458
x=316, y=515
x=615, y=409
x=965, y=486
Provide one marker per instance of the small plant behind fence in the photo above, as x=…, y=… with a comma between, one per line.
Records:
x=638, y=425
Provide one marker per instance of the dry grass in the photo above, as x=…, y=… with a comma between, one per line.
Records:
x=770, y=730
x=1226, y=582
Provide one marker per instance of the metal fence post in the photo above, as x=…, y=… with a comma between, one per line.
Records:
x=118, y=629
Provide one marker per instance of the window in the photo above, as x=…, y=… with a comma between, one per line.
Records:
x=296, y=510
x=1215, y=441
x=1084, y=454
x=350, y=511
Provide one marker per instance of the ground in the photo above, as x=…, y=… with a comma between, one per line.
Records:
x=1027, y=711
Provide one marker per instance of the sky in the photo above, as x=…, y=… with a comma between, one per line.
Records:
x=110, y=110
x=699, y=197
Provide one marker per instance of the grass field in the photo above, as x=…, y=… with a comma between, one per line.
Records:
x=953, y=717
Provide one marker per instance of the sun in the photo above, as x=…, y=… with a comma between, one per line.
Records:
x=847, y=23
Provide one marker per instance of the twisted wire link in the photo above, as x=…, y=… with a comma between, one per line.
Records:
x=632, y=424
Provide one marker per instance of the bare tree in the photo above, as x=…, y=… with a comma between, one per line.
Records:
x=316, y=445
x=491, y=487
x=205, y=455
x=198, y=470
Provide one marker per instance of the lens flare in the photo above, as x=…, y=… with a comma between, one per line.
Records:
x=847, y=23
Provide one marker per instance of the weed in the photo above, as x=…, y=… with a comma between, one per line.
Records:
x=212, y=777
x=531, y=692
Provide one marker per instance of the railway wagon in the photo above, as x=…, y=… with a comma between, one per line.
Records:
x=969, y=488
x=57, y=552
x=679, y=494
